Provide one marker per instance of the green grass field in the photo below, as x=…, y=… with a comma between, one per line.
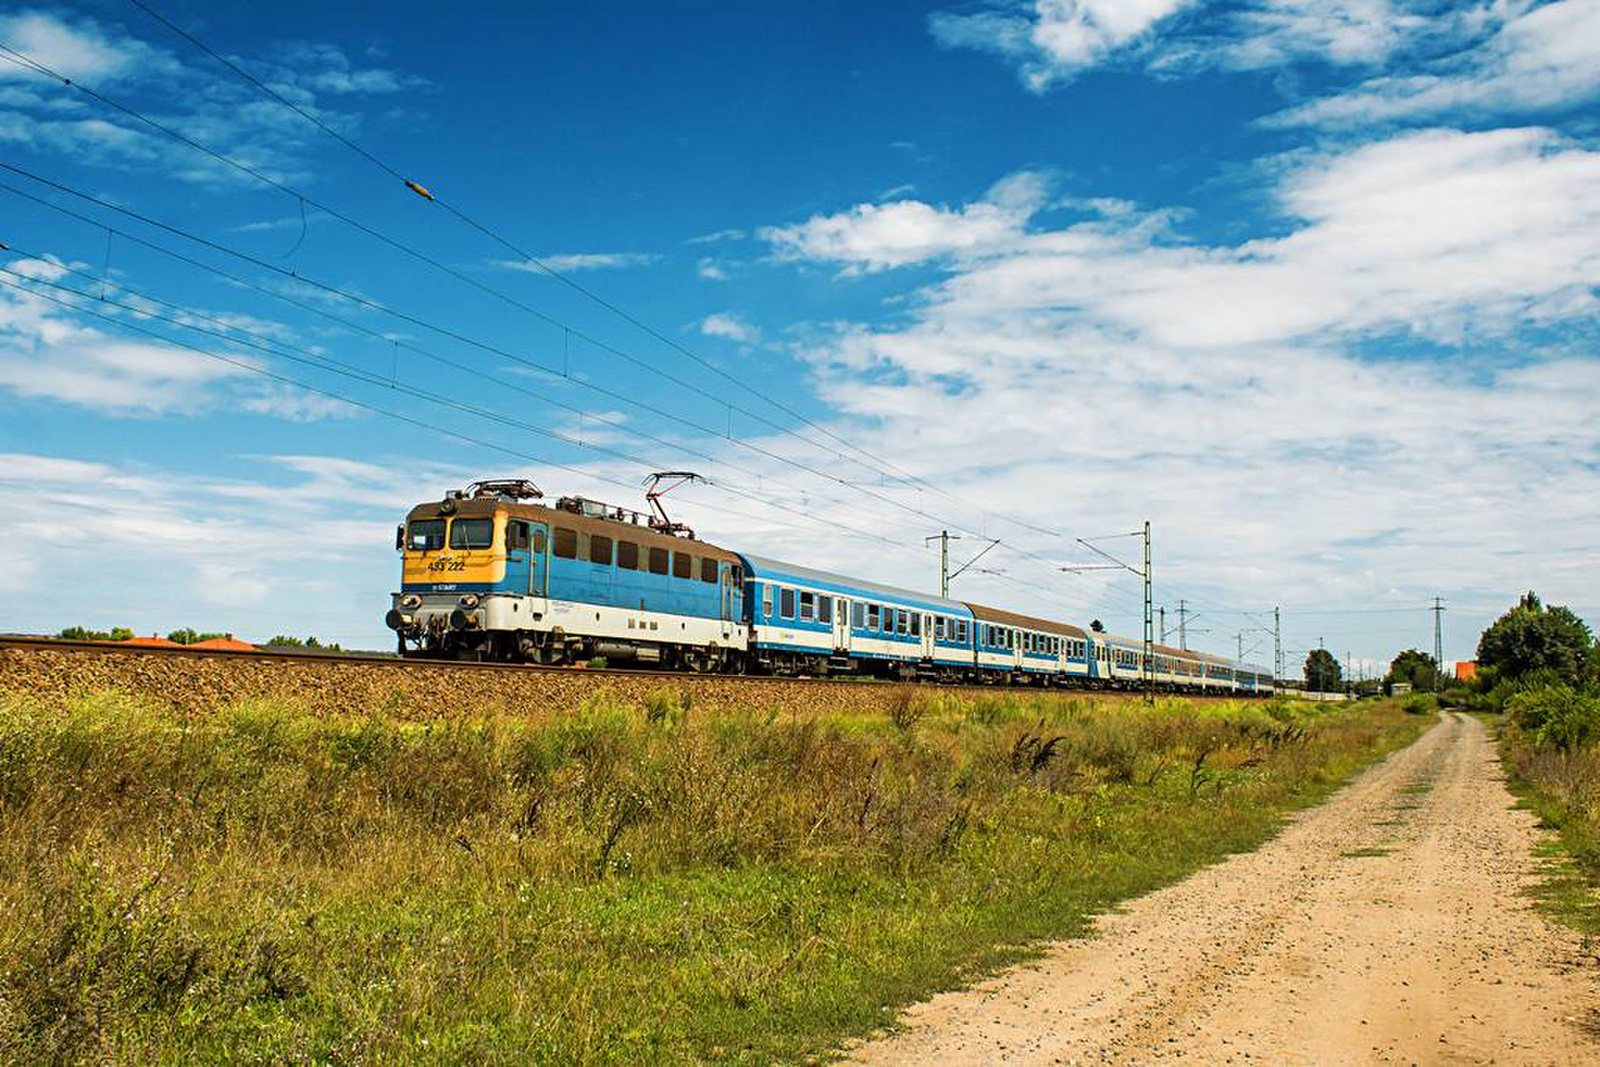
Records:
x=265, y=883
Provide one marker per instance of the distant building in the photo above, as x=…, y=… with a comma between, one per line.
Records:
x=1399, y=689
x=1466, y=670
x=152, y=641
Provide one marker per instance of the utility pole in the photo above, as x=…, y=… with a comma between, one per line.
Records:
x=1148, y=671
x=944, y=561
x=1240, y=657
x=1277, y=646
x=1438, y=641
x=1183, y=629
x=1149, y=624
x=1163, y=612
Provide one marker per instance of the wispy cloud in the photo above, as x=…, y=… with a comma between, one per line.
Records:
x=709, y=269
x=720, y=235
x=570, y=262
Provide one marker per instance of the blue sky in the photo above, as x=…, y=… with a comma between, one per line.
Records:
x=1310, y=286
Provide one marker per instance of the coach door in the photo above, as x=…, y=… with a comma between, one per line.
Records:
x=729, y=592
x=927, y=637
x=841, y=624
x=525, y=560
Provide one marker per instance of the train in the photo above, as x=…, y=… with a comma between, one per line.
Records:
x=490, y=572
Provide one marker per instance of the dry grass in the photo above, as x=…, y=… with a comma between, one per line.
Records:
x=639, y=879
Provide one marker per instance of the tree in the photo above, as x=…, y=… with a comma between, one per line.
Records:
x=188, y=636
x=80, y=633
x=1097, y=626
x=1531, y=636
x=1414, y=668
x=286, y=641
x=1323, y=672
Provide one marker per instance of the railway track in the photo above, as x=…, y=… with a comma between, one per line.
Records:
x=380, y=661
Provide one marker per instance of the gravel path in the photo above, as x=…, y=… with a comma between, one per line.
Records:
x=1386, y=926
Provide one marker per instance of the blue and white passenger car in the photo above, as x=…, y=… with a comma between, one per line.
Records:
x=806, y=620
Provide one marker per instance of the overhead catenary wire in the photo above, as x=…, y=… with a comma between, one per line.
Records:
x=338, y=367
x=378, y=307
x=44, y=70
x=433, y=196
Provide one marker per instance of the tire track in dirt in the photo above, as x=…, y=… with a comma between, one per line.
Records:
x=1389, y=925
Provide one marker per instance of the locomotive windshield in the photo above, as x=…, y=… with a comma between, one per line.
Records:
x=472, y=533
x=425, y=535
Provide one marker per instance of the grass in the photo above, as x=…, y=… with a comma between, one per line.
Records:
x=1562, y=788
x=267, y=882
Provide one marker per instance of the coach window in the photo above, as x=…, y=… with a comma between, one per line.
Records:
x=426, y=535
x=825, y=609
x=858, y=615
x=565, y=543
x=682, y=565
x=472, y=533
x=938, y=627
x=786, y=603
x=600, y=550
x=808, y=607
x=627, y=555
x=901, y=621
x=873, y=614
x=708, y=570
x=658, y=561
x=916, y=624
x=766, y=600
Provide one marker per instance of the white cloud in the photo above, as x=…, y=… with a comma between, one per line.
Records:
x=1108, y=370
x=1538, y=58
x=1054, y=40
x=219, y=112
x=570, y=262
x=875, y=237
x=710, y=270
x=729, y=327
x=719, y=236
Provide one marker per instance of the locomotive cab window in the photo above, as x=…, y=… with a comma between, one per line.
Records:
x=538, y=541
x=708, y=570
x=682, y=565
x=516, y=536
x=472, y=533
x=658, y=561
x=600, y=550
x=565, y=543
x=425, y=535
x=627, y=555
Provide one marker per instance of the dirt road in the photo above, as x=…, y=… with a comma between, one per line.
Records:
x=1387, y=926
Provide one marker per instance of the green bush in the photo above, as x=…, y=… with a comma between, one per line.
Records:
x=1556, y=715
x=1421, y=704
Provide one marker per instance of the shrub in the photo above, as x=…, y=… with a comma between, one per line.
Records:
x=1556, y=715
x=1421, y=704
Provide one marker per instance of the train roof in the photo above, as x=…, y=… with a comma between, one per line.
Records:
x=1023, y=622
x=765, y=567
x=617, y=529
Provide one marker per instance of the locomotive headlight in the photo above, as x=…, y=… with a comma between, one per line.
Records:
x=469, y=601
x=411, y=602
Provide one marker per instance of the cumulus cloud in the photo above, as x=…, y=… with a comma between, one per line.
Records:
x=729, y=327
x=1053, y=40
x=1538, y=58
x=875, y=237
x=1245, y=396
